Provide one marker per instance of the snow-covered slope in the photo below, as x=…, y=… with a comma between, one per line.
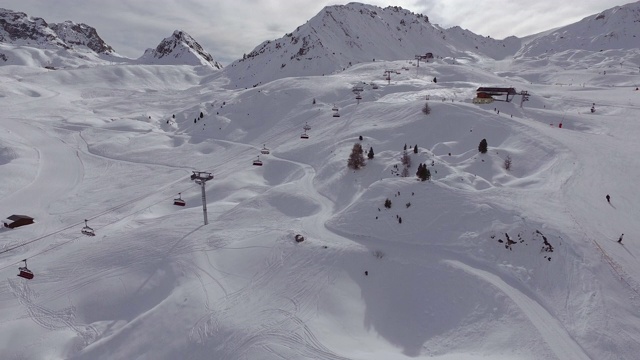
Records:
x=179, y=49
x=617, y=28
x=343, y=35
x=478, y=263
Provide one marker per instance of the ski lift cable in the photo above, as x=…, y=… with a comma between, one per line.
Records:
x=129, y=202
x=78, y=237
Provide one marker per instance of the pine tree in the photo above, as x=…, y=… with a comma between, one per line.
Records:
x=405, y=159
x=483, y=146
x=201, y=115
x=423, y=172
x=370, y=154
x=415, y=149
x=426, y=109
x=387, y=203
x=356, y=159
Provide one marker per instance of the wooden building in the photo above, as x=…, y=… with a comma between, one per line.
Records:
x=15, y=221
x=493, y=92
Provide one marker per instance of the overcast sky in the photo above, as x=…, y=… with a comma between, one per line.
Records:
x=229, y=28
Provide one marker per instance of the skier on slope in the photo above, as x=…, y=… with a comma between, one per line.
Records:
x=620, y=239
x=608, y=198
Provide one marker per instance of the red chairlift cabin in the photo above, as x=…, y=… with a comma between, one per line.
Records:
x=87, y=230
x=264, y=150
x=25, y=272
x=257, y=162
x=178, y=201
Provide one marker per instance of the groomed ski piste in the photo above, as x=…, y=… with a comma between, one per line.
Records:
x=479, y=262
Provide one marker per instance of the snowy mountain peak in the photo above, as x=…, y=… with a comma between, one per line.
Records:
x=615, y=28
x=19, y=29
x=340, y=36
x=179, y=48
x=81, y=35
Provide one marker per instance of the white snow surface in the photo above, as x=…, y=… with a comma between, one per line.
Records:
x=115, y=144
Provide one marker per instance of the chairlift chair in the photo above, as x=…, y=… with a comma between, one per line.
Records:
x=335, y=108
x=264, y=150
x=25, y=272
x=358, y=97
x=178, y=201
x=304, y=135
x=87, y=230
x=336, y=114
x=257, y=162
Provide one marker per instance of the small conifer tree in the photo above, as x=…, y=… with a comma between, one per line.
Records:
x=507, y=163
x=201, y=115
x=356, y=159
x=370, y=154
x=426, y=109
x=387, y=203
x=483, y=147
x=405, y=159
x=415, y=149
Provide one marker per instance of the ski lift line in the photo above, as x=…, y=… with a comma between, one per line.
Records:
x=75, y=238
x=90, y=218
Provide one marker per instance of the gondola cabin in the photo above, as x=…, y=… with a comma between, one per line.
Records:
x=257, y=162
x=178, y=201
x=86, y=230
x=264, y=150
x=24, y=272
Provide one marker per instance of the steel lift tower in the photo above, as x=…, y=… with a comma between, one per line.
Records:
x=201, y=178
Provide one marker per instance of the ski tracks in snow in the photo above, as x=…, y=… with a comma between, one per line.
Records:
x=551, y=330
x=52, y=319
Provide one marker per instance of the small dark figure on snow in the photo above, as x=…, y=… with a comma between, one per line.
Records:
x=620, y=239
x=608, y=199
x=366, y=273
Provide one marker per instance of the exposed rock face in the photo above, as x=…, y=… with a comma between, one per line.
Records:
x=19, y=29
x=81, y=34
x=179, y=48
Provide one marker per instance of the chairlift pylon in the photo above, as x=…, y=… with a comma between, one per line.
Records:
x=87, y=230
x=25, y=272
x=306, y=127
x=178, y=201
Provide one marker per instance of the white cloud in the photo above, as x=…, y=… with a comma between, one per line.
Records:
x=227, y=29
